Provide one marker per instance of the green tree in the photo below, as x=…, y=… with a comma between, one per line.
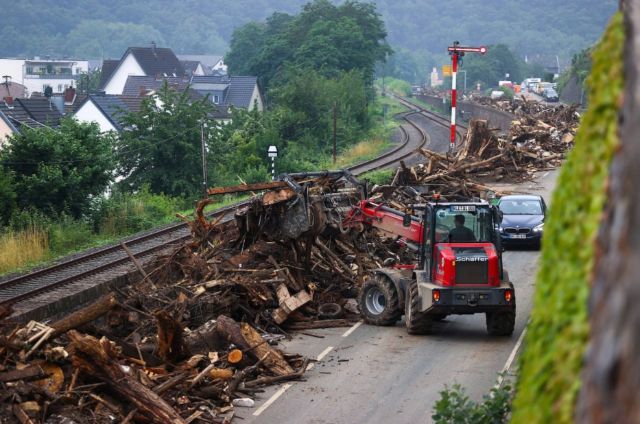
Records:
x=163, y=147
x=247, y=44
x=59, y=170
x=7, y=196
x=89, y=82
x=305, y=106
x=493, y=66
x=323, y=37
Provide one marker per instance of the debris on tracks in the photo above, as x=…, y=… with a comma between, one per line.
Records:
x=538, y=140
x=195, y=339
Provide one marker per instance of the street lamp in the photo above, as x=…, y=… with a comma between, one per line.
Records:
x=273, y=154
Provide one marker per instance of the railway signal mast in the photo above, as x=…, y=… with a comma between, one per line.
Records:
x=456, y=52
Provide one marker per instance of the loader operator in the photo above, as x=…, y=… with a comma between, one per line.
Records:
x=460, y=233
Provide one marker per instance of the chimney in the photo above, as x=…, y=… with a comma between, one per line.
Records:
x=9, y=102
x=69, y=96
x=153, y=48
x=143, y=91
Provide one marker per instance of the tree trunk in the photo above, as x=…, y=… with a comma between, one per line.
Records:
x=84, y=315
x=249, y=340
x=98, y=358
x=611, y=375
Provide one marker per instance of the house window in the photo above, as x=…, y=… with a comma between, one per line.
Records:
x=59, y=88
x=216, y=99
x=44, y=87
x=29, y=70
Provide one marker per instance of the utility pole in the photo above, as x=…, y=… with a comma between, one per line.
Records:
x=456, y=52
x=335, y=126
x=204, y=161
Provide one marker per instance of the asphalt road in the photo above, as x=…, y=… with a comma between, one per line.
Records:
x=368, y=374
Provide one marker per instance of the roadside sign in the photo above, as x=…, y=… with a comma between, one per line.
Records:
x=446, y=70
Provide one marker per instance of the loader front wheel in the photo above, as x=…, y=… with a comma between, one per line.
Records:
x=416, y=321
x=379, y=301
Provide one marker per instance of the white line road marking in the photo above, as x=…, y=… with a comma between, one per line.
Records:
x=324, y=353
x=310, y=366
x=272, y=399
x=284, y=388
x=352, y=329
x=512, y=356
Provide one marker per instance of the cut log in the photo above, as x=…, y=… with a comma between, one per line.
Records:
x=32, y=372
x=274, y=361
x=98, y=358
x=84, y=315
x=250, y=341
x=327, y=323
x=204, y=339
x=235, y=356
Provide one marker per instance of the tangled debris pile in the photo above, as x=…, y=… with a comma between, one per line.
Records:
x=194, y=337
x=538, y=140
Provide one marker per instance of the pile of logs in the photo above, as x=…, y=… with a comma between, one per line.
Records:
x=83, y=368
x=538, y=140
x=192, y=340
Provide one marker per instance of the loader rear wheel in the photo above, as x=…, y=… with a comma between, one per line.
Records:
x=501, y=323
x=416, y=321
x=379, y=301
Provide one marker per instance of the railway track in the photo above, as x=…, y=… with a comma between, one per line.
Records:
x=24, y=287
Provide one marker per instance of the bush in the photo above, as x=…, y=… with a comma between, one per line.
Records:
x=455, y=406
x=397, y=86
x=379, y=177
x=68, y=235
x=126, y=213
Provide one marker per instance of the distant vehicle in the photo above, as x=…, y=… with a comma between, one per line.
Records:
x=497, y=94
x=531, y=84
x=550, y=95
x=522, y=220
x=542, y=86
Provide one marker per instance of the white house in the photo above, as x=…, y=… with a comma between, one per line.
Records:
x=139, y=61
x=7, y=128
x=37, y=74
x=105, y=110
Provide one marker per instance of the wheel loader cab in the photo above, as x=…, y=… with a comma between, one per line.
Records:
x=460, y=246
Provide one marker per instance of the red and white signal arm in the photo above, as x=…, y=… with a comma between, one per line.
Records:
x=481, y=49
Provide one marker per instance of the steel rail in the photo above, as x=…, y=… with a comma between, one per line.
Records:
x=28, y=285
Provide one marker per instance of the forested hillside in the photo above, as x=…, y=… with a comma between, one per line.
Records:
x=104, y=28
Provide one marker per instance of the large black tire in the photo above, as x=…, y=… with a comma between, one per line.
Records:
x=415, y=320
x=329, y=311
x=379, y=301
x=501, y=323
